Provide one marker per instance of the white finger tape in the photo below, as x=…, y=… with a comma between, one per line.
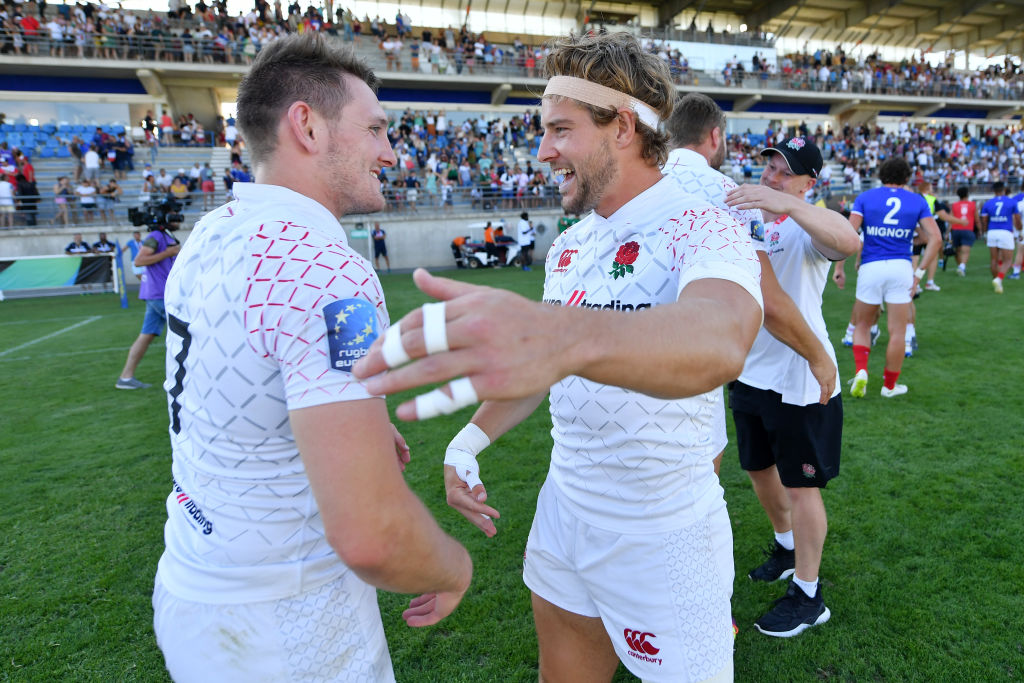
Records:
x=392, y=350
x=466, y=466
x=435, y=329
x=436, y=402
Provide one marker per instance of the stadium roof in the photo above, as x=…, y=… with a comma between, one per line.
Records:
x=983, y=27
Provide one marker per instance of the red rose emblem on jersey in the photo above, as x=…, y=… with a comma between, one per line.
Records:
x=624, y=259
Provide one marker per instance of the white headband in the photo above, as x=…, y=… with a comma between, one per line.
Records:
x=601, y=96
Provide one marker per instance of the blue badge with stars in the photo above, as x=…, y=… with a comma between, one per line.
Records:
x=757, y=231
x=351, y=329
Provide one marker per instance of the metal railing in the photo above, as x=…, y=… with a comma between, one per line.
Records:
x=42, y=211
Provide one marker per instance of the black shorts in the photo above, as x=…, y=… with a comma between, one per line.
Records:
x=803, y=442
x=380, y=248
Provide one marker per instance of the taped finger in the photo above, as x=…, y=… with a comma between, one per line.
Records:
x=435, y=328
x=392, y=350
x=437, y=402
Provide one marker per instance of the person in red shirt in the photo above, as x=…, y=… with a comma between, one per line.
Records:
x=963, y=235
x=30, y=27
x=26, y=168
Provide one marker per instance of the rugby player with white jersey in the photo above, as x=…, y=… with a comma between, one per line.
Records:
x=1000, y=219
x=652, y=301
x=287, y=507
x=697, y=132
x=789, y=440
x=887, y=216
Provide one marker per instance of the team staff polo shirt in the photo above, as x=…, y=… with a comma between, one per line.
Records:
x=890, y=217
x=268, y=308
x=802, y=272
x=1000, y=211
x=622, y=460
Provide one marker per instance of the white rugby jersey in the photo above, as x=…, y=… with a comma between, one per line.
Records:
x=802, y=271
x=267, y=310
x=622, y=460
x=691, y=170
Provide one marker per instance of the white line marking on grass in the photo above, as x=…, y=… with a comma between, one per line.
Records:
x=51, y=335
x=43, y=320
x=109, y=349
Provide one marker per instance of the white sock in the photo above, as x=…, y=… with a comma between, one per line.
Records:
x=785, y=539
x=808, y=587
x=849, y=329
x=1016, y=270
x=931, y=282
x=911, y=332
x=962, y=266
x=874, y=329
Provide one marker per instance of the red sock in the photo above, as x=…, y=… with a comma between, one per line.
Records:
x=889, y=378
x=860, y=356
x=1000, y=275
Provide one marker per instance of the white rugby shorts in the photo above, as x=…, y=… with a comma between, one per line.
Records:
x=663, y=597
x=332, y=633
x=1000, y=239
x=889, y=281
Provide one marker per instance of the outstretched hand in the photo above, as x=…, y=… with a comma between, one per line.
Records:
x=480, y=324
x=430, y=608
x=470, y=502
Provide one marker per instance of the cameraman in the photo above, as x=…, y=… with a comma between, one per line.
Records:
x=157, y=254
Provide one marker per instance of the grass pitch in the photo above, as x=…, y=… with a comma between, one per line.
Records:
x=922, y=567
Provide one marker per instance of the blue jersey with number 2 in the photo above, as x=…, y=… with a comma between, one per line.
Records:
x=890, y=216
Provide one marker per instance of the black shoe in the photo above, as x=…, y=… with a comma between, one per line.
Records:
x=793, y=613
x=779, y=565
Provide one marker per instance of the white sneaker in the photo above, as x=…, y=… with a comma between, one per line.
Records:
x=932, y=287
x=860, y=384
x=962, y=272
x=997, y=284
x=847, y=339
x=897, y=390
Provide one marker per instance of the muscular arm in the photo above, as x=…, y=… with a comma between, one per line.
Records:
x=784, y=321
x=933, y=242
x=147, y=256
x=950, y=218
x=378, y=527
x=512, y=347
x=830, y=232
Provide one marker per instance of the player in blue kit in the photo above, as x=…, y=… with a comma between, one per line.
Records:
x=1000, y=217
x=887, y=216
x=1018, y=201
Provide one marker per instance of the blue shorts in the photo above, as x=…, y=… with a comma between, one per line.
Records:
x=156, y=317
x=963, y=238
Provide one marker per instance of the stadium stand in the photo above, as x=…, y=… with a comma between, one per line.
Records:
x=170, y=71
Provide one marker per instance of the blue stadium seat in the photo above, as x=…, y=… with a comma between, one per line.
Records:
x=47, y=153
x=21, y=127
x=63, y=153
x=5, y=127
x=49, y=128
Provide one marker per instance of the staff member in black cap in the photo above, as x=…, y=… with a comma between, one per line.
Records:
x=788, y=440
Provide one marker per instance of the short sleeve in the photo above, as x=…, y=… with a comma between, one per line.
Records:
x=858, y=205
x=314, y=309
x=708, y=243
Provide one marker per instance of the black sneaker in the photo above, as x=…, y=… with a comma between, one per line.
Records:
x=793, y=613
x=780, y=564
